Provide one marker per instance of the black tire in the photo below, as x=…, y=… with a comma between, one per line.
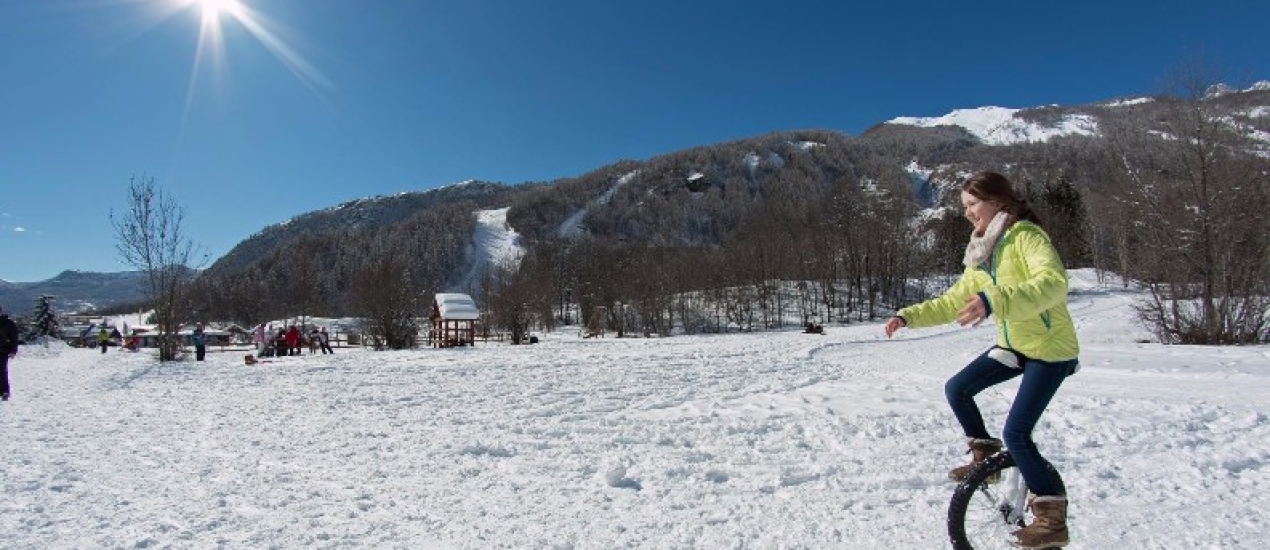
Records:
x=974, y=521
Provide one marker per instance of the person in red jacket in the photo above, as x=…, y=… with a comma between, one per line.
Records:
x=293, y=341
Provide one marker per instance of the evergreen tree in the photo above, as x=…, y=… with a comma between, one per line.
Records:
x=1067, y=223
x=46, y=323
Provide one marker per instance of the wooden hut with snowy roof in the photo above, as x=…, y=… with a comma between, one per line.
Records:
x=454, y=318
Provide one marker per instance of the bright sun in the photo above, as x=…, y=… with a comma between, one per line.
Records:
x=215, y=14
x=212, y=9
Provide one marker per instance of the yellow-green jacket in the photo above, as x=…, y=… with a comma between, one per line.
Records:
x=1026, y=287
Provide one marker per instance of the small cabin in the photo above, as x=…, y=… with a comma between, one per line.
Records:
x=454, y=318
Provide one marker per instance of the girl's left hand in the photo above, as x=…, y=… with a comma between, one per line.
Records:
x=973, y=312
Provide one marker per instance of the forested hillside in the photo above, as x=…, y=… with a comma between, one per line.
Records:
x=801, y=226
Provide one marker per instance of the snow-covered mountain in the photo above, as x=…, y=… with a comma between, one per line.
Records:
x=1001, y=126
x=1007, y=126
x=698, y=197
x=368, y=212
x=74, y=291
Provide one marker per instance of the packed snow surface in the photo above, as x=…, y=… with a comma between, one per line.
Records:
x=761, y=440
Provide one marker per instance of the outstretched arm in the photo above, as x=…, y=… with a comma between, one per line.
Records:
x=893, y=324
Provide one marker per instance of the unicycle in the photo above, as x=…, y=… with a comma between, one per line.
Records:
x=982, y=515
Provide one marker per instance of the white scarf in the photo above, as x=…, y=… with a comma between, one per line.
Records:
x=981, y=247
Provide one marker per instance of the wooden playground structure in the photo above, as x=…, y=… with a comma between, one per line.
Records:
x=453, y=319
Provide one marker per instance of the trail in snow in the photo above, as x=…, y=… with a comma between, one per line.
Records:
x=494, y=244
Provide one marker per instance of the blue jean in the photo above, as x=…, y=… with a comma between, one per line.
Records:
x=1040, y=382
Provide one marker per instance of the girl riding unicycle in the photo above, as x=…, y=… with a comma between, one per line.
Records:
x=1012, y=272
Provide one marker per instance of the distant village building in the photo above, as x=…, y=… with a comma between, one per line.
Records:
x=148, y=337
x=454, y=318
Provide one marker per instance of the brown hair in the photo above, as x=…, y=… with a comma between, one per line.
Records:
x=995, y=188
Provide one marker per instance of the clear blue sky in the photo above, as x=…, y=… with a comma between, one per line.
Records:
x=304, y=104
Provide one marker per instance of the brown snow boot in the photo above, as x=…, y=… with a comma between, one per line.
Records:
x=980, y=450
x=1049, y=524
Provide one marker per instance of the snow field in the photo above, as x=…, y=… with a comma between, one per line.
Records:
x=767, y=440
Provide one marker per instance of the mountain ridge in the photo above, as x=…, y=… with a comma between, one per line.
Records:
x=74, y=290
x=695, y=197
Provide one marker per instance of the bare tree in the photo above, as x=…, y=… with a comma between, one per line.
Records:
x=151, y=238
x=385, y=299
x=1194, y=202
x=517, y=301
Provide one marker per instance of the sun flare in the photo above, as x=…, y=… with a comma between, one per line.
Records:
x=210, y=51
x=212, y=9
x=218, y=13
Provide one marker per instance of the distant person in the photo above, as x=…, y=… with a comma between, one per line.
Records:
x=200, y=342
x=103, y=339
x=8, y=350
x=280, y=343
x=261, y=339
x=293, y=341
x=1011, y=271
x=324, y=339
x=312, y=340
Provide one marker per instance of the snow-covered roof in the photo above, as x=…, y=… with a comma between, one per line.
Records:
x=457, y=306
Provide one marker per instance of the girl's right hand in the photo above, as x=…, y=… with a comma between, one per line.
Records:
x=893, y=324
